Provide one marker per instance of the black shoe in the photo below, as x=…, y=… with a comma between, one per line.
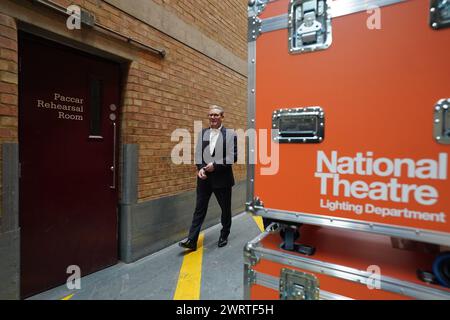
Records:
x=222, y=242
x=188, y=244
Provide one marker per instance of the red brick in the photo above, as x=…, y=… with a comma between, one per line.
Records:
x=8, y=54
x=8, y=32
x=8, y=87
x=8, y=99
x=8, y=43
x=8, y=110
x=7, y=21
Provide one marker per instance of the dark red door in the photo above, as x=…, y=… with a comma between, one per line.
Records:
x=68, y=117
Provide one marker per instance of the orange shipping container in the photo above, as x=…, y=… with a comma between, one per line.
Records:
x=347, y=265
x=352, y=100
x=361, y=121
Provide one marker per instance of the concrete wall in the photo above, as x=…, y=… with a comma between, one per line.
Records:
x=9, y=227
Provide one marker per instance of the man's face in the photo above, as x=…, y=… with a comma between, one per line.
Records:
x=215, y=118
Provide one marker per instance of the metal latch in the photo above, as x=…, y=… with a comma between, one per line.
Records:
x=309, y=24
x=442, y=121
x=297, y=285
x=298, y=125
x=439, y=14
x=255, y=205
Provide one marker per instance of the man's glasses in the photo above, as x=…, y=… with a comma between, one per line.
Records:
x=214, y=115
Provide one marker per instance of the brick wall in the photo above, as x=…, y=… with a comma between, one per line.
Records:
x=161, y=95
x=8, y=83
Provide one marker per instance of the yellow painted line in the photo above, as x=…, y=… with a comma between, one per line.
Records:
x=189, y=280
x=259, y=222
x=68, y=297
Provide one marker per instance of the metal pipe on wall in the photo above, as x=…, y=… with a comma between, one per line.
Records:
x=91, y=23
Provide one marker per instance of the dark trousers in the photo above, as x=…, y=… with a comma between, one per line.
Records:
x=223, y=196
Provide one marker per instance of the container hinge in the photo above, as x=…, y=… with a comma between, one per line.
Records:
x=254, y=205
x=309, y=24
x=254, y=28
x=255, y=7
x=439, y=14
x=249, y=257
x=442, y=121
x=297, y=285
x=251, y=276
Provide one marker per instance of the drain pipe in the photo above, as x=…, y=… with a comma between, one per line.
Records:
x=88, y=19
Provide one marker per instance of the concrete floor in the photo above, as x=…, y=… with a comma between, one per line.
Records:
x=155, y=277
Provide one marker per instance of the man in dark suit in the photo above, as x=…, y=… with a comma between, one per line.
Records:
x=215, y=153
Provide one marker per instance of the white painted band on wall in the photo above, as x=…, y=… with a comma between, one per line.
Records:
x=159, y=18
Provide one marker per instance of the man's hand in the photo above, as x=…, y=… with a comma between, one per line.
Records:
x=209, y=167
x=202, y=174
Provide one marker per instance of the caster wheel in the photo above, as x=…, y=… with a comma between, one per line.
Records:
x=296, y=235
x=441, y=269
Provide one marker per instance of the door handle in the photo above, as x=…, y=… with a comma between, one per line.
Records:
x=113, y=167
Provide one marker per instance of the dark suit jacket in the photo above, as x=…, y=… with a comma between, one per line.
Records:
x=225, y=154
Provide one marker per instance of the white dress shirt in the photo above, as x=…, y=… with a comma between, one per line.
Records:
x=213, y=136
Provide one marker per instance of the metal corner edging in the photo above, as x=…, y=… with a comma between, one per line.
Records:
x=251, y=120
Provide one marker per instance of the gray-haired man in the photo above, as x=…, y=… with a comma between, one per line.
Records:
x=216, y=151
